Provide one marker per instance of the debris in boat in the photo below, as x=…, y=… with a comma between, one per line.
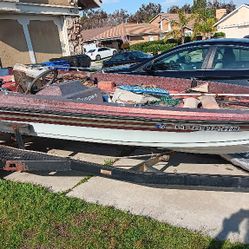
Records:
x=145, y=90
x=70, y=76
x=107, y=98
x=31, y=79
x=147, y=93
x=240, y=159
x=29, y=70
x=107, y=86
x=191, y=103
x=209, y=102
x=57, y=64
x=168, y=101
x=201, y=88
x=127, y=97
x=8, y=83
x=5, y=71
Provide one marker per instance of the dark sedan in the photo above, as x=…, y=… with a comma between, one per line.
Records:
x=126, y=58
x=224, y=60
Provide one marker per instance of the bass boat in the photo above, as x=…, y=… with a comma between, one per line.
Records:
x=133, y=110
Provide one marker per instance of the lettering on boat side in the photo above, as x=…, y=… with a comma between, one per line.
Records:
x=197, y=127
x=88, y=98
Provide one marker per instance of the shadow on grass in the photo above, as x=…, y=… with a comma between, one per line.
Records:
x=231, y=225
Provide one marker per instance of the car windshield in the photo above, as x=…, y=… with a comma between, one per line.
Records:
x=130, y=56
x=188, y=59
x=120, y=57
x=91, y=51
x=140, y=54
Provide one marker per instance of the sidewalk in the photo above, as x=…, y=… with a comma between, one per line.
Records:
x=222, y=215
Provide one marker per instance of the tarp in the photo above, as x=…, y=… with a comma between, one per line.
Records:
x=240, y=159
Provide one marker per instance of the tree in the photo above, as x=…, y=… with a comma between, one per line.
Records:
x=187, y=8
x=204, y=21
x=118, y=17
x=99, y=18
x=173, y=9
x=199, y=4
x=178, y=32
x=145, y=13
x=94, y=19
x=217, y=5
x=229, y=7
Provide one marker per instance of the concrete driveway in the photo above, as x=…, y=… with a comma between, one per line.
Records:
x=222, y=215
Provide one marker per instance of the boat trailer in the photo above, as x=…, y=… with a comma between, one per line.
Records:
x=20, y=159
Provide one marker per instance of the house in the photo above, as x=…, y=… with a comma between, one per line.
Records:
x=168, y=22
x=32, y=31
x=236, y=23
x=131, y=33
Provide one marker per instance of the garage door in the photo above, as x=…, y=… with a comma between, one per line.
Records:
x=45, y=40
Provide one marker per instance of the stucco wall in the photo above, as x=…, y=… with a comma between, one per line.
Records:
x=235, y=32
x=136, y=39
x=165, y=25
x=144, y=38
x=240, y=16
x=156, y=21
x=236, y=25
x=45, y=40
x=52, y=2
x=13, y=47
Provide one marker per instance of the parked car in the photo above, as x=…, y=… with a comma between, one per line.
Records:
x=81, y=60
x=101, y=53
x=215, y=59
x=126, y=58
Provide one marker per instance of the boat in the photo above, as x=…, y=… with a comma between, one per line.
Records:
x=73, y=111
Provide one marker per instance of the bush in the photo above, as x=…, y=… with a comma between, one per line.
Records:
x=187, y=39
x=153, y=46
x=219, y=35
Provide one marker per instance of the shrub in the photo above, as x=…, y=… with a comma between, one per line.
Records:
x=219, y=35
x=153, y=46
x=187, y=39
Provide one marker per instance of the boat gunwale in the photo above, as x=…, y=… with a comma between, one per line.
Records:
x=39, y=103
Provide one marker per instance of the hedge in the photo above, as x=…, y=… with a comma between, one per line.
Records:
x=219, y=35
x=153, y=46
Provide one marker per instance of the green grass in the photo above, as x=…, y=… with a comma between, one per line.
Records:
x=109, y=162
x=33, y=217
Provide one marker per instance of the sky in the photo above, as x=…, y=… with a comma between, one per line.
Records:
x=133, y=5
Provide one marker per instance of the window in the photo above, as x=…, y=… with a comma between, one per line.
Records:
x=139, y=54
x=228, y=57
x=188, y=59
x=102, y=49
x=120, y=57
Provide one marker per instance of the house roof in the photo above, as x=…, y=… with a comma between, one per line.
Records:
x=46, y=7
x=89, y=34
x=173, y=17
x=88, y=4
x=123, y=30
x=232, y=13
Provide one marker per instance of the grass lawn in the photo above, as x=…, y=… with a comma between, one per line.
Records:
x=33, y=217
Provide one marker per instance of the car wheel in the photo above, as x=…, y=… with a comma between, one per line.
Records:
x=98, y=57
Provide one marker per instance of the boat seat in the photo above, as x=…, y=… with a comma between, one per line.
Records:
x=74, y=90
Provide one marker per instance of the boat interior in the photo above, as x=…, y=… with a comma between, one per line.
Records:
x=142, y=91
x=133, y=90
